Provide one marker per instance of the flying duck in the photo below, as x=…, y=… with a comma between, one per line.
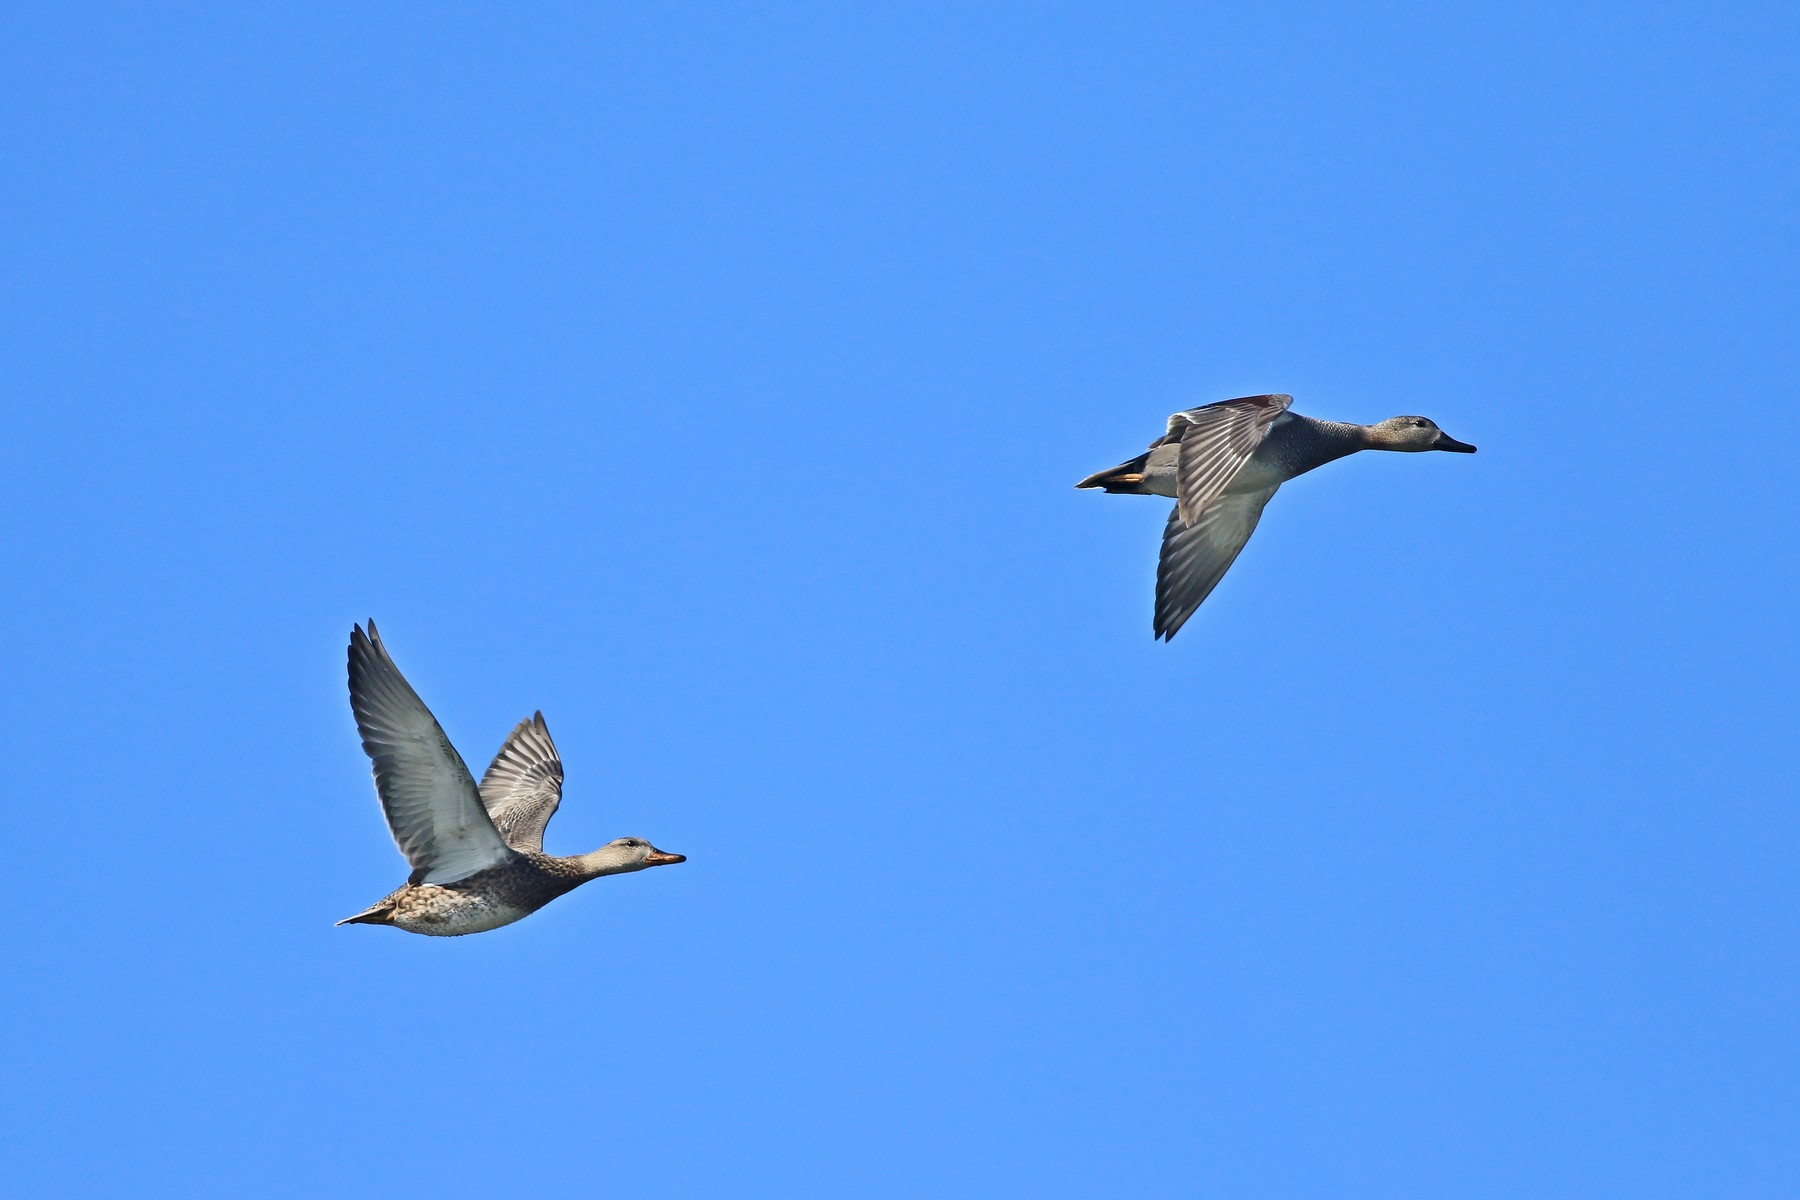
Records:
x=1221, y=463
x=476, y=853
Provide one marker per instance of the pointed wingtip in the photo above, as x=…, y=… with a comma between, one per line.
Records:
x=365, y=642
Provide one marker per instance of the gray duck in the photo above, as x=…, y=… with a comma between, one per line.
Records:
x=476, y=852
x=1221, y=463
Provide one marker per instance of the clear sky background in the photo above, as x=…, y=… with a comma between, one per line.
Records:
x=713, y=377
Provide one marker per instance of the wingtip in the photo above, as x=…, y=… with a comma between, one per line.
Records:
x=367, y=639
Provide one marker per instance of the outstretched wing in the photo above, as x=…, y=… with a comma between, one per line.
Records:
x=432, y=806
x=523, y=785
x=1195, y=557
x=1216, y=442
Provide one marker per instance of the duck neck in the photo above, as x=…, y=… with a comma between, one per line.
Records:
x=1307, y=442
x=1344, y=437
x=605, y=861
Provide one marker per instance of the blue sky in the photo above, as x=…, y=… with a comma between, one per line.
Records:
x=714, y=378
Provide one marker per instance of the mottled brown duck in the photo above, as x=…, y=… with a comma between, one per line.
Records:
x=477, y=853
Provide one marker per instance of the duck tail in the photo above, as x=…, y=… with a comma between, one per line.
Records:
x=381, y=913
x=1126, y=478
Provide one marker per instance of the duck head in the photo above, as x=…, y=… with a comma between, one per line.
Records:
x=1414, y=434
x=628, y=854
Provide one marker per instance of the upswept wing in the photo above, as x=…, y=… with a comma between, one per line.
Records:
x=1195, y=557
x=433, y=808
x=1216, y=441
x=523, y=785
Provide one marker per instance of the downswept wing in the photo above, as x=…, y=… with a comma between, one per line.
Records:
x=433, y=808
x=523, y=785
x=1216, y=441
x=1195, y=557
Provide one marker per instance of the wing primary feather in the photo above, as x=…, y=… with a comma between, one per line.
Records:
x=432, y=806
x=1195, y=557
x=522, y=787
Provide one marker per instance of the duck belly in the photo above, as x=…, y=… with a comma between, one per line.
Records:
x=446, y=912
x=1259, y=475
